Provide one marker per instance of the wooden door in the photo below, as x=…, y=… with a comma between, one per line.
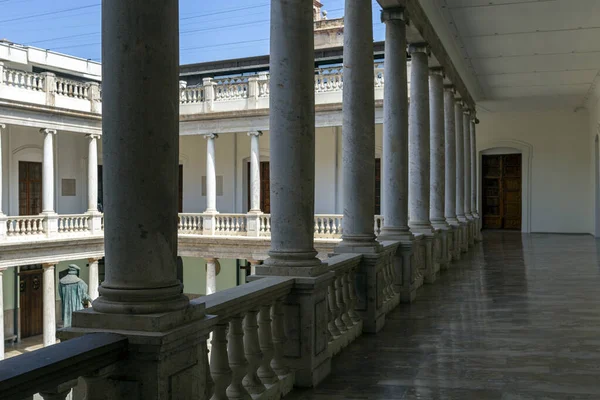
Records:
x=265, y=187
x=501, y=186
x=31, y=302
x=30, y=188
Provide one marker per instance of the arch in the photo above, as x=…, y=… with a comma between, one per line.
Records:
x=597, y=184
x=28, y=152
x=502, y=147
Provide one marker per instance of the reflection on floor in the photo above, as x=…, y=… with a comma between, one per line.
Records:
x=25, y=346
x=517, y=318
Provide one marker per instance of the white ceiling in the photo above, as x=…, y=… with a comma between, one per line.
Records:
x=522, y=53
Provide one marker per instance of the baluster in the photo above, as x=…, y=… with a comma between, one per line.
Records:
x=28, y=227
x=237, y=359
x=253, y=354
x=339, y=300
x=219, y=363
x=268, y=228
x=346, y=299
x=279, y=339
x=316, y=225
x=351, y=279
x=334, y=311
x=265, y=337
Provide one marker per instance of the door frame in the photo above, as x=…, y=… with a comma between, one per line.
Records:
x=509, y=146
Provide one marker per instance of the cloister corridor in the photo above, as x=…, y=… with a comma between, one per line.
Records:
x=517, y=318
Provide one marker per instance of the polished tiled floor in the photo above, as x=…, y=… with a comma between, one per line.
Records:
x=517, y=318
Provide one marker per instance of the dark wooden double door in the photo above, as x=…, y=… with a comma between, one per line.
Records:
x=31, y=301
x=501, y=186
x=30, y=188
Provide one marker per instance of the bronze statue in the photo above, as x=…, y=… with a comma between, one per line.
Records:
x=73, y=294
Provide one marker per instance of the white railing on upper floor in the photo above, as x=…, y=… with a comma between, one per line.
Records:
x=23, y=79
x=230, y=224
x=74, y=223
x=24, y=226
x=72, y=88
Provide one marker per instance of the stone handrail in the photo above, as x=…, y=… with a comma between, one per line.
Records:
x=52, y=371
x=72, y=88
x=73, y=223
x=328, y=225
x=230, y=224
x=24, y=226
x=190, y=223
x=247, y=346
x=23, y=79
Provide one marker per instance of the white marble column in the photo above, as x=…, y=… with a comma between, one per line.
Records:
x=418, y=141
x=93, y=173
x=255, y=171
x=211, y=174
x=438, y=156
x=94, y=280
x=2, y=128
x=450, y=133
x=358, y=128
x=395, y=129
x=1, y=315
x=211, y=276
x=140, y=154
x=49, y=304
x=48, y=171
x=292, y=139
x=460, y=162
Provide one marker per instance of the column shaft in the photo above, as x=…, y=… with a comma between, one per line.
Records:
x=437, y=141
x=211, y=276
x=94, y=280
x=418, y=140
x=49, y=306
x=358, y=126
x=292, y=135
x=474, y=163
x=395, y=128
x=255, y=171
x=93, y=173
x=2, y=127
x=460, y=163
x=48, y=171
x=1, y=316
x=211, y=174
x=450, y=128
x=467, y=162
x=141, y=156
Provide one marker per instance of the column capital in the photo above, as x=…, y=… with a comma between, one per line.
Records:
x=439, y=71
x=475, y=120
x=419, y=48
x=210, y=136
x=255, y=133
x=394, y=14
x=2, y=126
x=48, y=265
x=45, y=131
x=450, y=88
x=93, y=136
x=466, y=109
x=93, y=260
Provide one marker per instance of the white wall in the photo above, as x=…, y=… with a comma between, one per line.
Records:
x=560, y=164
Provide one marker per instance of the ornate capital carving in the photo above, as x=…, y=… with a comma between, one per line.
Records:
x=211, y=136
x=394, y=14
x=255, y=133
x=2, y=126
x=46, y=131
x=93, y=136
x=48, y=265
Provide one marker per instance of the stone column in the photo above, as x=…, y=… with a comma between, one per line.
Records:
x=141, y=157
x=418, y=141
x=1, y=315
x=93, y=173
x=358, y=129
x=474, y=181
x=211, y=174
x=255, y=171
x=437, y=165
x=395, y=153
x=467, y=171
x=48, y=171
x=49, y=304
x=292, y=150
x=450, y=134
x=460, y=175
x=211, y=276
x=94, y=280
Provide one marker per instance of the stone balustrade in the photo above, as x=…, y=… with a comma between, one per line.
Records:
x=25, y=226
x=74, y=223
x=227, y=94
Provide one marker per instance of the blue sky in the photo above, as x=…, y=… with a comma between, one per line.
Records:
x=209, y=30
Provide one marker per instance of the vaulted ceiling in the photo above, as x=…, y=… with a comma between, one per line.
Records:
x=522, y=54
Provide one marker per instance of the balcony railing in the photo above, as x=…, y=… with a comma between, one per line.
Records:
x=225, y=94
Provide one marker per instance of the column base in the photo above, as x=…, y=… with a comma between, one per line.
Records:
x=140, y=301
x=300, y=263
